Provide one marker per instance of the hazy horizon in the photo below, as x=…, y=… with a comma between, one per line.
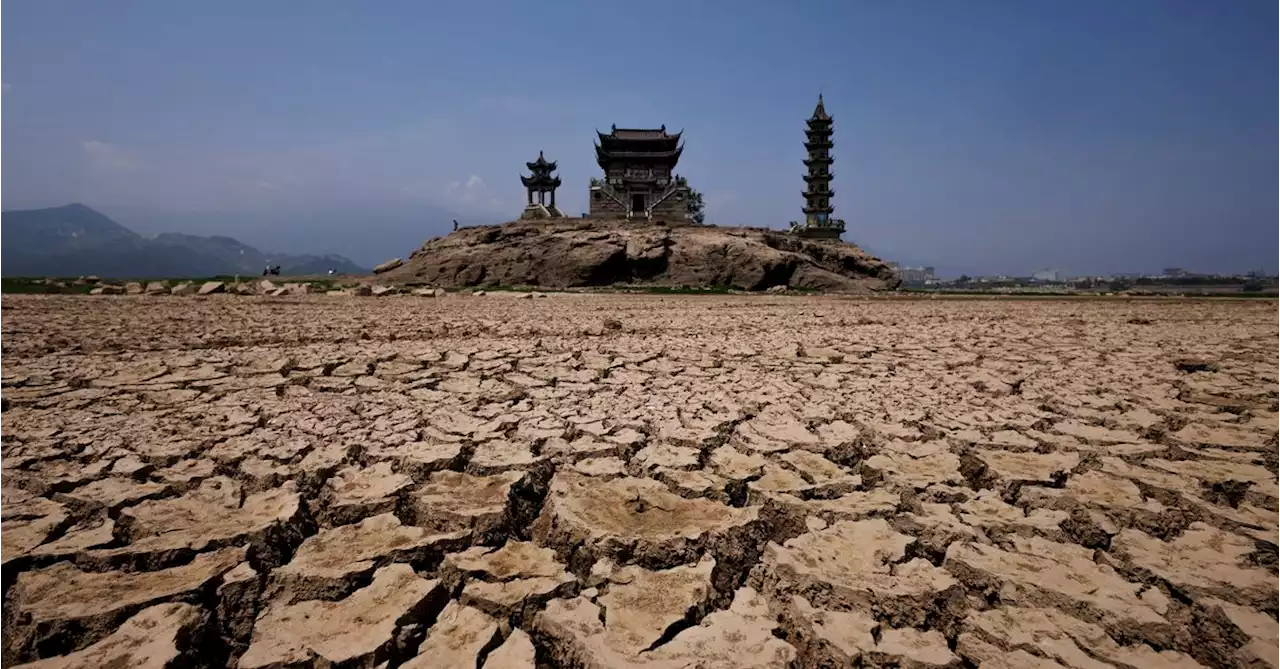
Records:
x=990, y=136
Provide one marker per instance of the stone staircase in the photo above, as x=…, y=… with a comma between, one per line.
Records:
x=671, y=189
x=608, y=192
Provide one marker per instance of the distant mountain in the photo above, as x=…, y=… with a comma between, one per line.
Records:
x=247, y=260
x=64, y=229
x=368, y=230
x=75, y=240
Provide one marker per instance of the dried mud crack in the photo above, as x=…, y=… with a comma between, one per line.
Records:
x=712, y=481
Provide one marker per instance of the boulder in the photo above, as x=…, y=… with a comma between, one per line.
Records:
x=211, y=287
x=133, y=288
x=156, y=288
x=387, y=266
x=107, y=289
x=184, y=288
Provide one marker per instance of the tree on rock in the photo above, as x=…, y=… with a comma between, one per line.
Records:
x=695, y=207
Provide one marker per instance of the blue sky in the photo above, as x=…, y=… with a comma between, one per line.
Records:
x=979, y=136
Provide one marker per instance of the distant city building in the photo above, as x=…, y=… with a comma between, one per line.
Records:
x=913, y=275
x=1047, y=275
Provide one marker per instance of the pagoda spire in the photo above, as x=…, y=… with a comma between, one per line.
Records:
x=820, y=112
x=818, y=209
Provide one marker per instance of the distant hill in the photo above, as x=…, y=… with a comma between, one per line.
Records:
x=312, y=222
x=63, y=229
x=75, y=240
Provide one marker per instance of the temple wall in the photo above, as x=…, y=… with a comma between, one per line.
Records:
x=644, y=176
x=602, y=206
x=673, y=208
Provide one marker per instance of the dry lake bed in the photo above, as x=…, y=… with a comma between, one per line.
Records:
x=638, y=480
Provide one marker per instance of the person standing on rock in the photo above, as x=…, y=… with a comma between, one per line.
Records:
x=455, y=225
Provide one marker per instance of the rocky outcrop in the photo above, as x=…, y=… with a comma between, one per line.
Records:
x=387, y=266
x=578, y=252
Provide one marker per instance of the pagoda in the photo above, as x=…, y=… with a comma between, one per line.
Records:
x=818, y=222
x=542, y=183
x=638, y=178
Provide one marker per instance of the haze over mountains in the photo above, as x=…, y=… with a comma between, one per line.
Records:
x=367, y=227
x=75, y=240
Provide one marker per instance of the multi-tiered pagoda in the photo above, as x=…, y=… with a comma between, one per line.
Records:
x=541, y=182
x=638, y=176
x=818, y=221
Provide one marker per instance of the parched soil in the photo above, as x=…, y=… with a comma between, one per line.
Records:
x=621, y=480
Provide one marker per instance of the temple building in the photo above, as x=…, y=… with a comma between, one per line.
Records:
x=638, y=180
x=818, y=221
x=542, y=183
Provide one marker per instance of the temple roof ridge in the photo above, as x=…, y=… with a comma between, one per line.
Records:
x=541, y=164
x=630, y=134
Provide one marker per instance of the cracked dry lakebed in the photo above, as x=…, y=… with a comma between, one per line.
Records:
x=594, y=480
